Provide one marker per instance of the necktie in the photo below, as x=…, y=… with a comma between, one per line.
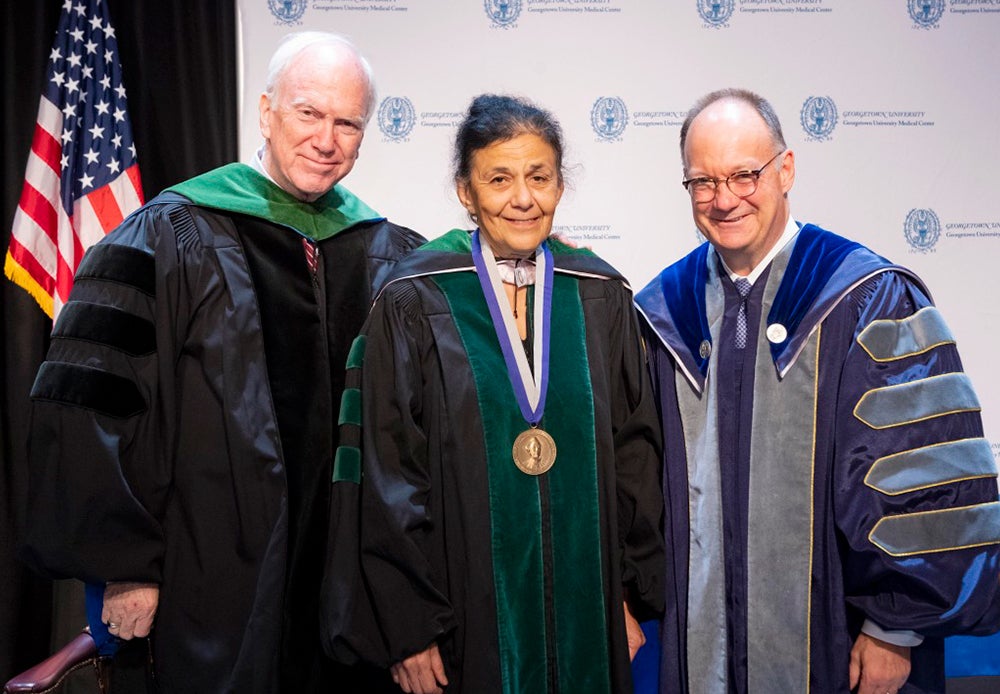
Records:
x=743, y=286
x=312, y=255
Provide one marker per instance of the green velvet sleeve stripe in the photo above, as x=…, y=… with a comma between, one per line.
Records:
x=938, y=531
x=926, y=398
x=347, y=460
x=888, y=340
x=119, y=264
x=347, y=465
x=350, y=407
x=106, y=325
x=87, y=387
x=942, y=463
x=356, y=357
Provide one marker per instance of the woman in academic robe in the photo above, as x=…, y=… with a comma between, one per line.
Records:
x=507, y=459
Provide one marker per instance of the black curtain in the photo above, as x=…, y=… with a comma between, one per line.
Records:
x=179, y=67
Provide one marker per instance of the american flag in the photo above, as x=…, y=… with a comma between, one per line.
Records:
x=82, y=178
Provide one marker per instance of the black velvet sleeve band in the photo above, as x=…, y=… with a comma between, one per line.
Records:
x=83, y=386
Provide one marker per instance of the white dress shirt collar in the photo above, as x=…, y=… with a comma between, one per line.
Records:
x=791, y=229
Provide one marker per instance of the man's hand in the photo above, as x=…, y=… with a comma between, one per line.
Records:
x=421, y=673
x=562, y=238
x=878, y=667
x=636, y=638
x=129, y=608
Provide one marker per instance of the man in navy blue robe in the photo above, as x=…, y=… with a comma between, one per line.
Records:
x=831, y=503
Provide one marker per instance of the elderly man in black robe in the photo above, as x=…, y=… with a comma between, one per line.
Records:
x=184, y=421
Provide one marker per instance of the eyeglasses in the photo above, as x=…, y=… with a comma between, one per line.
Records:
x=742, y=184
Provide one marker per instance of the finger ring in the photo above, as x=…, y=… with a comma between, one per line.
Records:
x=112, y=625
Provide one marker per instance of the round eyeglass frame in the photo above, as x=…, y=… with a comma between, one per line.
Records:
x=746, y=183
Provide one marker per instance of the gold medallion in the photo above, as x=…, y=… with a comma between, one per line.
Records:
x=534, y=451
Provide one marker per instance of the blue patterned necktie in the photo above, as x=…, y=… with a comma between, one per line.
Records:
x=743, y=286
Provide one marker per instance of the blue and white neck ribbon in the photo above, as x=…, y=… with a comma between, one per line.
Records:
x=529, y=388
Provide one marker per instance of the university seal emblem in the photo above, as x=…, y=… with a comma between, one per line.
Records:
x=922, y=229
x=502, y=13
x=609, y=117
x=819, y=117
x=396, y=117
x=925, y=13
x=287, y=11
x=716, y=13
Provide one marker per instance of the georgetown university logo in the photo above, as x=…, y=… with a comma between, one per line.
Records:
x=819, y=117
x=396, y=117
x=609, y=117
x=503, y=13
x=716, y=12
x=287, y=11
x=926, y=13
x=922, y=229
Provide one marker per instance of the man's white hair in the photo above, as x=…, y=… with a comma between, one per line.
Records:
x=293, y=44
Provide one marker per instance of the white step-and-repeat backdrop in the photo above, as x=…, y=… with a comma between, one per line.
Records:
x=891, y=106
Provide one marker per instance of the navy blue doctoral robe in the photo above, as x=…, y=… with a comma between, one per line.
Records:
x=833, y=471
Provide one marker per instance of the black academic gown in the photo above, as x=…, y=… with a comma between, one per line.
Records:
x=183, y=431
x=519, y=579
